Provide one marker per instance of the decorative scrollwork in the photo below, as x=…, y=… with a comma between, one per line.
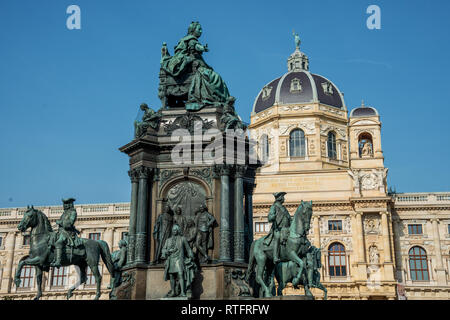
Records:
x=190, y=122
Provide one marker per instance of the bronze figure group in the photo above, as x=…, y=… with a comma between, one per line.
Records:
x=182, y=242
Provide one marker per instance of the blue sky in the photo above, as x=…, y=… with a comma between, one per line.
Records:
x=68, y=98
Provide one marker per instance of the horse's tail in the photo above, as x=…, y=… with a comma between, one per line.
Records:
x=106, y=256
x=251, y=262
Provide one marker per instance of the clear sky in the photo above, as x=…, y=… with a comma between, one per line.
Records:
x=68, y=98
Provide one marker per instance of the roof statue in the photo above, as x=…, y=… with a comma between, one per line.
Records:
x=296, y=39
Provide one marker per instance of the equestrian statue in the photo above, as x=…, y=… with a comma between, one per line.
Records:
x=61, y=248
x=284, y=248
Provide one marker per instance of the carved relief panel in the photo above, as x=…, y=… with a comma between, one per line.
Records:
x=371, y=224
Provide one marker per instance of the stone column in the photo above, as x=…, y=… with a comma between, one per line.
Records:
x=225, y=249
x=142, y=215
x=386, y=240
x=316, y=229
x=239, y=220
x=109, y=237
x=360, y=235
x=133, y=212
x=396, y=225
x=440, y=270
x=7, y=271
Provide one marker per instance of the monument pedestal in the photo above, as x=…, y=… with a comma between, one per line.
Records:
x=217, y=280
x=289, y=297
x=225, y=186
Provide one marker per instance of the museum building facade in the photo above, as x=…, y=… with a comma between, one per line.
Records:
x=419, y=224
x=375, y=244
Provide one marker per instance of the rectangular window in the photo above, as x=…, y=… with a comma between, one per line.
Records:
x=124, y=235
x=1, y=241
x=26, y=240
x=414, y=228
x=59, y=276
x=262, y=227
x=448, y=228
x=94, y=236
x=335, y=225
x=90, y=276
x=27, y=277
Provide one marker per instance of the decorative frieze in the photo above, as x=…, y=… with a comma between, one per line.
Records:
x=325, y=128
x=296, y=108
x=308, y=127
x=368, y=180
x=332, y=110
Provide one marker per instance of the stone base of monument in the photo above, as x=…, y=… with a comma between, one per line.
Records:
x=290, y=297
x=217, y=280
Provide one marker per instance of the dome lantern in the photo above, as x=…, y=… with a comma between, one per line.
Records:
x=297, y=61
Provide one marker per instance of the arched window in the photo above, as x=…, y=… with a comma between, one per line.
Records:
x=365, y=145
x=331, y=145
x=297, y=143
x=264, y=148
x=336, y=260
x=418, y=264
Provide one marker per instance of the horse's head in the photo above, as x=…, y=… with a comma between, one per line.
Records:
x=29, y=219
x=307, y=213
x=302, y=218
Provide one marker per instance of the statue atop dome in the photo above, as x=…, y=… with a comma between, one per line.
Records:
x=186, y=80
x=296, y=39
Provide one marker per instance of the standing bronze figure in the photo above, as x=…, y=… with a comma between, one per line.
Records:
x=179, y=266
x=162, y=231
x=179, y=219
x=204, y=222
x=119, y=259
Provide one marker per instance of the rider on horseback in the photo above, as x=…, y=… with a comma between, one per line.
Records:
x=280, y=218
x=67, y=233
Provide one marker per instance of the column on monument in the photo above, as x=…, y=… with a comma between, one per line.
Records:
x=142, y=215
x=385, y=234
x=7, y=271
x=316, y=229
x=225, y=249
x=249, y=206
x=239, y=217
x=133, y=213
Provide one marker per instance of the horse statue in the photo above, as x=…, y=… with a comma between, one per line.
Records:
x=41, y=253
x=285, y=272
x=295, y=246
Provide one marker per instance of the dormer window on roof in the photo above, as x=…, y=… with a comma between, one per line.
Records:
x=266, y=92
